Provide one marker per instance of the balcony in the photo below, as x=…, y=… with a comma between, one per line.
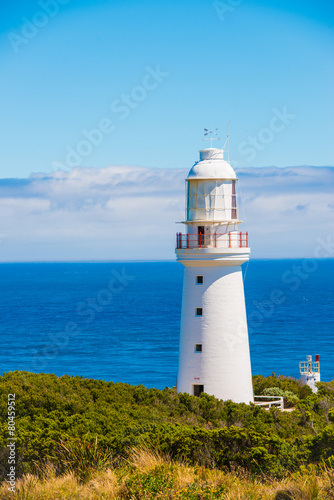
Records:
x=214, y=240
x=307, y=367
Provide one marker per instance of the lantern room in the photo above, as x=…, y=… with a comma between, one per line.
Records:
x=211, y=204
x=211, y=190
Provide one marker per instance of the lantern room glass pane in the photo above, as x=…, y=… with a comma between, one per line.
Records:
x=234, y=201
x=192, y=187
x=200, y=201
x=201, y=188
x=210, y=187
x=211, y=200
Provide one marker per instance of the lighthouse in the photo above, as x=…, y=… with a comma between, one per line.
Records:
x=214, y=352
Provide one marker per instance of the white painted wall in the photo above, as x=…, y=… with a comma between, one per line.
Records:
x=310, y=379
x=224, y=366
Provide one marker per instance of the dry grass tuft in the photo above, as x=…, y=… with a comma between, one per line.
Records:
x=105, y=485
x=53, y=488
x=184, y=476
x=144, y=460
x=65, y=487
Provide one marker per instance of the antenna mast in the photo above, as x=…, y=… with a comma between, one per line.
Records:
x=228, y=142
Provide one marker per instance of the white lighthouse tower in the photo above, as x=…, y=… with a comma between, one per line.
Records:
x=214, y=348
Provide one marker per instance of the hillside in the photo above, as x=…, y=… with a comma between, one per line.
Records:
x=85, y=426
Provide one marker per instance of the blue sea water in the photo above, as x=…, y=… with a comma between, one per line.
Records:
x=59, y=318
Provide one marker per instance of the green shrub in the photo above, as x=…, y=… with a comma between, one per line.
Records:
x=290, y=398
x=331, y=414
x=156, y=482
x=195, y=491
x=98, y=422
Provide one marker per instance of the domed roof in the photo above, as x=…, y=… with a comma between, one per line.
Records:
x=212, y=166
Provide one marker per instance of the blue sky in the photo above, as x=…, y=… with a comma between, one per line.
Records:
x=249, y=62
x=107, y=101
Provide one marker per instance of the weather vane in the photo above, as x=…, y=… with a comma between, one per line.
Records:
x=213, y=135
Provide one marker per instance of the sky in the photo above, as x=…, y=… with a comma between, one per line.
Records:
x=107, y=88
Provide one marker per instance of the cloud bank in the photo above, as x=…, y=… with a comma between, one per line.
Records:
x=129, y=213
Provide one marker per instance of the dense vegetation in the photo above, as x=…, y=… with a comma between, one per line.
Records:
x=86, y=425
x=146, y=475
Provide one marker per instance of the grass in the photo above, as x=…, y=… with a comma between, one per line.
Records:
x=147, y=474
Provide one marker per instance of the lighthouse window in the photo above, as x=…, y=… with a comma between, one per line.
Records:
x=199, y=311
x=198, y=389
x=198, y=347
x=199, y=280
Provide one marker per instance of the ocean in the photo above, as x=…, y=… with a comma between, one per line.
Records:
x=120, y=321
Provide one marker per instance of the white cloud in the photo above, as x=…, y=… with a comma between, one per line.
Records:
x=118, y=213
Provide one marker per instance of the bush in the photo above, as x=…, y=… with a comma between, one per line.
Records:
x=83, y=425
x=290, y=398
x=261, y=383
x=331, y=414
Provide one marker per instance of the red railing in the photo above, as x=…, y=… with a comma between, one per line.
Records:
x=215, y=240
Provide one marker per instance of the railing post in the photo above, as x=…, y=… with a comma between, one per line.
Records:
x=187, y=240
x=240, y=239
x=229, y=239
x=215, y=239
x=246, y=239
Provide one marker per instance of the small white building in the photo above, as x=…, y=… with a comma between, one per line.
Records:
x=310, y=372
x=214, y=352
